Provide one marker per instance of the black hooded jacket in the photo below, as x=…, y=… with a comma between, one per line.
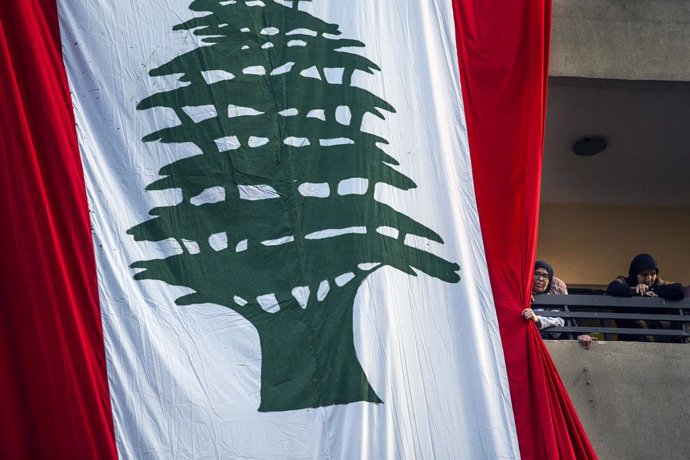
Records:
x=625, y=286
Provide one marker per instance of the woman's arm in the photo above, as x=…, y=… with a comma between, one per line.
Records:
x=669, y=291
x=542, y=322
x=619, y=288
x=549, y=321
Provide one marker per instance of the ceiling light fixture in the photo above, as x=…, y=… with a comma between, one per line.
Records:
x=590, y=145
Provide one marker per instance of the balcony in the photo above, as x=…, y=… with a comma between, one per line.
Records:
x=631, y=397
x=601, y=315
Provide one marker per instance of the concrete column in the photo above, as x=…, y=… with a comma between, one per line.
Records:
x=621, y=39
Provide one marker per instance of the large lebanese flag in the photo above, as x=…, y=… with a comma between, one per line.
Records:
x=258, y=229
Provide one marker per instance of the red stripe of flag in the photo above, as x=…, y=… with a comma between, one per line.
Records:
x=503, y=50
x=54, y=393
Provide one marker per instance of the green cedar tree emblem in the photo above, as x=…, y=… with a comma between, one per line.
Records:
x=278, y=219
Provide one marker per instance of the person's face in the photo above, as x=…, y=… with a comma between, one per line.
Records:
x=541, y=280
x=647, y=277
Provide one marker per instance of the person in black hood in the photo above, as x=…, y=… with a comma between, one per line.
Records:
x=643, y=280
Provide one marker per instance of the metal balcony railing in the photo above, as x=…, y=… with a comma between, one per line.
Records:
x=601, y=314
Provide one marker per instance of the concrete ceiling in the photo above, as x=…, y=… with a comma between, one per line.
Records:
x=647, y=160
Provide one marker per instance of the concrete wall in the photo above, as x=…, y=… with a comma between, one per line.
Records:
x=632, y=398
x=623, y=39
x=591, y=244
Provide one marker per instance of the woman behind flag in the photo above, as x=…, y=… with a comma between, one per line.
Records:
x=546, y=283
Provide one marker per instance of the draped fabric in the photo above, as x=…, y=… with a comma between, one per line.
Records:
x=432, y=378
x=503, y=51
x=54, y=393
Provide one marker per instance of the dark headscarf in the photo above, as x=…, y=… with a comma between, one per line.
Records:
x=640, y=263
x=546, y=266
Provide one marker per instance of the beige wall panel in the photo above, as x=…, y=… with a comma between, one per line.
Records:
x=593, y=243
